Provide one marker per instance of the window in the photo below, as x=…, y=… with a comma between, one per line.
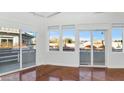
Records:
x=28, y=49
x=117, y=39
x=54, y=38
x=68, y=38
x=9, y=49
x=85, y=41
x=10, y=43
x=85, y=47
x=4, y=43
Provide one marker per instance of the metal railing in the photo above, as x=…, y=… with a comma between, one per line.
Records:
x=12, y=55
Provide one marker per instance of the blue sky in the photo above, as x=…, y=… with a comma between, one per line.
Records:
x=85, y=35
x=66, y=34
x=54, y=34
x=117, y=33
x=69, y=34
x=96, y=35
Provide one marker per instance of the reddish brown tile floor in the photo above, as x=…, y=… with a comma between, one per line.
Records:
x=59, y=73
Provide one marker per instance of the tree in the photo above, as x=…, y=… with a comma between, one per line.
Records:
x=67, y=40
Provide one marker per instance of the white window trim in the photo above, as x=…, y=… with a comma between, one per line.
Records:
x=48, y=38
x=62, y=31
x=117, y=26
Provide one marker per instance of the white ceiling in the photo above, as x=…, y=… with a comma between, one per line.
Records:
x=51, y=14
x=45, y=14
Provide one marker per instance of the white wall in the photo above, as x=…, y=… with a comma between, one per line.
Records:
x=29, y=21
x=72, y=58
x=24, y=20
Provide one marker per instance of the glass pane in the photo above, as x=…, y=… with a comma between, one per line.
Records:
x=10, y=43
x=68, y=39
x=9, y=50
x=28, y=49
x=117, y=40
x=53, y=41
x=4, y=43
x=98, y=48
x=85, y=48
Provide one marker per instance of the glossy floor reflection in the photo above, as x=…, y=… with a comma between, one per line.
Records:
x=59, y=73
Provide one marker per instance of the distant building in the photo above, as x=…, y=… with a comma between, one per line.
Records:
x=9, y=38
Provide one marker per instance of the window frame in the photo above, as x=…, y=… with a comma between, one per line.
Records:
x=74, y=33
x=118, y=26
x=56, y=30
x=19, y=31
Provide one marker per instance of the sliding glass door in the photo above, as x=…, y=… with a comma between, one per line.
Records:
x=98, y=48
x=9, y=50
x=85, y=48
x=17, y=49
x=28, y=49
x=92, y=48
